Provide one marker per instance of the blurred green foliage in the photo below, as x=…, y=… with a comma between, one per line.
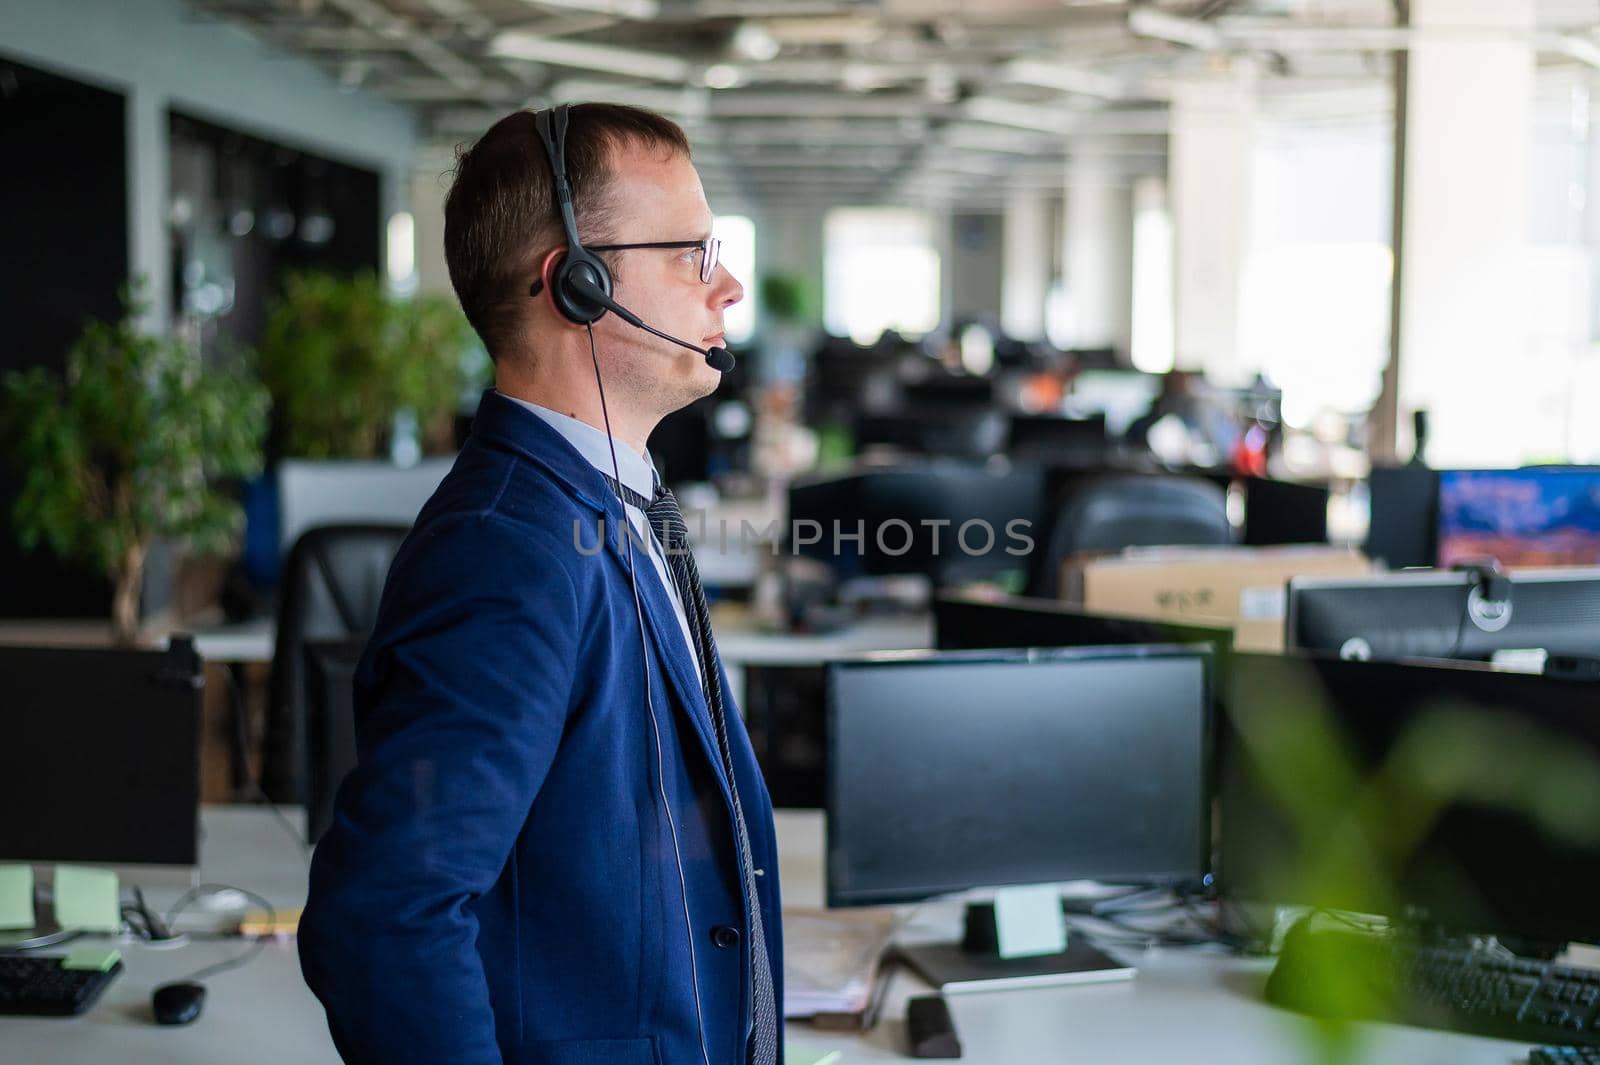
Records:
x=341, y=357
x=1363, y=829
x=129, y=446
x=785, y=297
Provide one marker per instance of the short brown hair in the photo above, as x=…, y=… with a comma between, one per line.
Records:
x=500, y=213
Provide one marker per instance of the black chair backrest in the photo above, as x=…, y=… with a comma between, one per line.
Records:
x=1108, y=514
x=331, y=588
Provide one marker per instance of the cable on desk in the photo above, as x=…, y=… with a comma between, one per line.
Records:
x=260, y=943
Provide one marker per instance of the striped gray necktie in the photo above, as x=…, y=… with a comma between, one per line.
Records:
x=667, y=521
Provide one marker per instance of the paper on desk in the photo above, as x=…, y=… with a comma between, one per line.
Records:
x=87, y=899
x=16, y=896
x=830, y=959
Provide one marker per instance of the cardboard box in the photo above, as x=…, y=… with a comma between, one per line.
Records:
x=1242, y=587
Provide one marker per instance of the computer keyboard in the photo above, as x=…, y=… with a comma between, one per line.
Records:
x=1354, y=975
x=38, y=985
x=1564, y=1056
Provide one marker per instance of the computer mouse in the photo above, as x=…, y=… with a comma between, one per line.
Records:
x=177, y=1003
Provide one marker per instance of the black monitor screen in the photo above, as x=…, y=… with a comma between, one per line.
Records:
x=1437, y=614
x=969, y=621
x=953, y=772
x=102, y=756
x=1452, y=793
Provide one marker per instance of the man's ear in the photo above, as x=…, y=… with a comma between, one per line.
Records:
x=544, y=288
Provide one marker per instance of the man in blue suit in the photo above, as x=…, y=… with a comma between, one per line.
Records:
x=556, y=846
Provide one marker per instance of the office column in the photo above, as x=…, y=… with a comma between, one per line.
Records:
x=1025, y=277
x=1210, y=164
x=1463, y=147
x=149, y=203
x=1097, y=248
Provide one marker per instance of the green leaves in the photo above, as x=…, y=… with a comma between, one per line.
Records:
x=341, y=358
x=129, y=445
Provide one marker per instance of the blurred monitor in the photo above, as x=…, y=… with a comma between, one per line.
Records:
x=1122, y=396
x=959, y=434
x=1438, y=614
x=954, y=771
x=1450, y=795
x=950, y=521
x=969, y=621
x=1052, y=439
x=102, y=759
x=330, y=725
x=1282, y=512
x=1540, y=516
x=1403, y=530
x=949, y=392
x=785, y=713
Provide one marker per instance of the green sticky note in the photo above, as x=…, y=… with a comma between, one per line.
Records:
x=16, y=896
x=87, y=899
x=92, y=959
x=793, y=1055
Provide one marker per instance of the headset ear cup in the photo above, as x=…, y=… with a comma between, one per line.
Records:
x=572, y=304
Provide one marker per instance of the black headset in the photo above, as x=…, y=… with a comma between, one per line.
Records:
x=579, y=273
x=581, y=285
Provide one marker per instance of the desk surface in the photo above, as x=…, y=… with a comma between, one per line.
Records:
x=1184, y=1007
x=252, y=641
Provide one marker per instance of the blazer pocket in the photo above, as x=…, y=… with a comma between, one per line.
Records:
x=591, y=1052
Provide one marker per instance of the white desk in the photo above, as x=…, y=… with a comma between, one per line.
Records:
x=252, y=641
x=1185, y=1008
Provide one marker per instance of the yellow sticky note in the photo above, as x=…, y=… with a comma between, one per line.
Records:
x=16, y=896
x=87, y=899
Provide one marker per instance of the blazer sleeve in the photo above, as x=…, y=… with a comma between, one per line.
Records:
x=464, y=693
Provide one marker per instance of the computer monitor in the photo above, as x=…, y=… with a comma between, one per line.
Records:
x=954, y=772
x=1540, y=516
x=1283, y=512
x=950, y=521
x=1448, y=794
x=785, y=712
x=1055, y=440
x=1404, y=505
x=102, y=760
x=1438, y=614
x=330, y=725
x=968, y=621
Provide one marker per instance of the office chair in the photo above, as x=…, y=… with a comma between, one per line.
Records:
x=330, y=590
x=1107, y=514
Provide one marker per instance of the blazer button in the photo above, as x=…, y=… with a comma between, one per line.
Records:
x=725, y=936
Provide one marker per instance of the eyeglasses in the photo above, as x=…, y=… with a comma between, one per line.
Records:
x=710, y=249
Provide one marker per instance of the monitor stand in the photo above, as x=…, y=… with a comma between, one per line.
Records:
x=44, y=933
x=975, y=963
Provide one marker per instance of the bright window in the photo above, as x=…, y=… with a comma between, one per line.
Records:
x=738, y=235
x=880, y=271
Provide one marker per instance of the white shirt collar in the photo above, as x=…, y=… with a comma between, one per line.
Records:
x=637, y=471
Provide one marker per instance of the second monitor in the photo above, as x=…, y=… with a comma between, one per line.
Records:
x=954, y=772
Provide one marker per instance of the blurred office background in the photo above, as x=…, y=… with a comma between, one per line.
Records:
x=997, y=250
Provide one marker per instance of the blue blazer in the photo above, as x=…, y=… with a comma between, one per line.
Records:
x=500, y=882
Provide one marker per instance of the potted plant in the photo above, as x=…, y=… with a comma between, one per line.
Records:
x=342, y=358
x=131, y=445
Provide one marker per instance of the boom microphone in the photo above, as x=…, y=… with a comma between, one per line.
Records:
x=719, y=359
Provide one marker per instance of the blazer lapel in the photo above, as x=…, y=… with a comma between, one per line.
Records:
x=682, y=675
